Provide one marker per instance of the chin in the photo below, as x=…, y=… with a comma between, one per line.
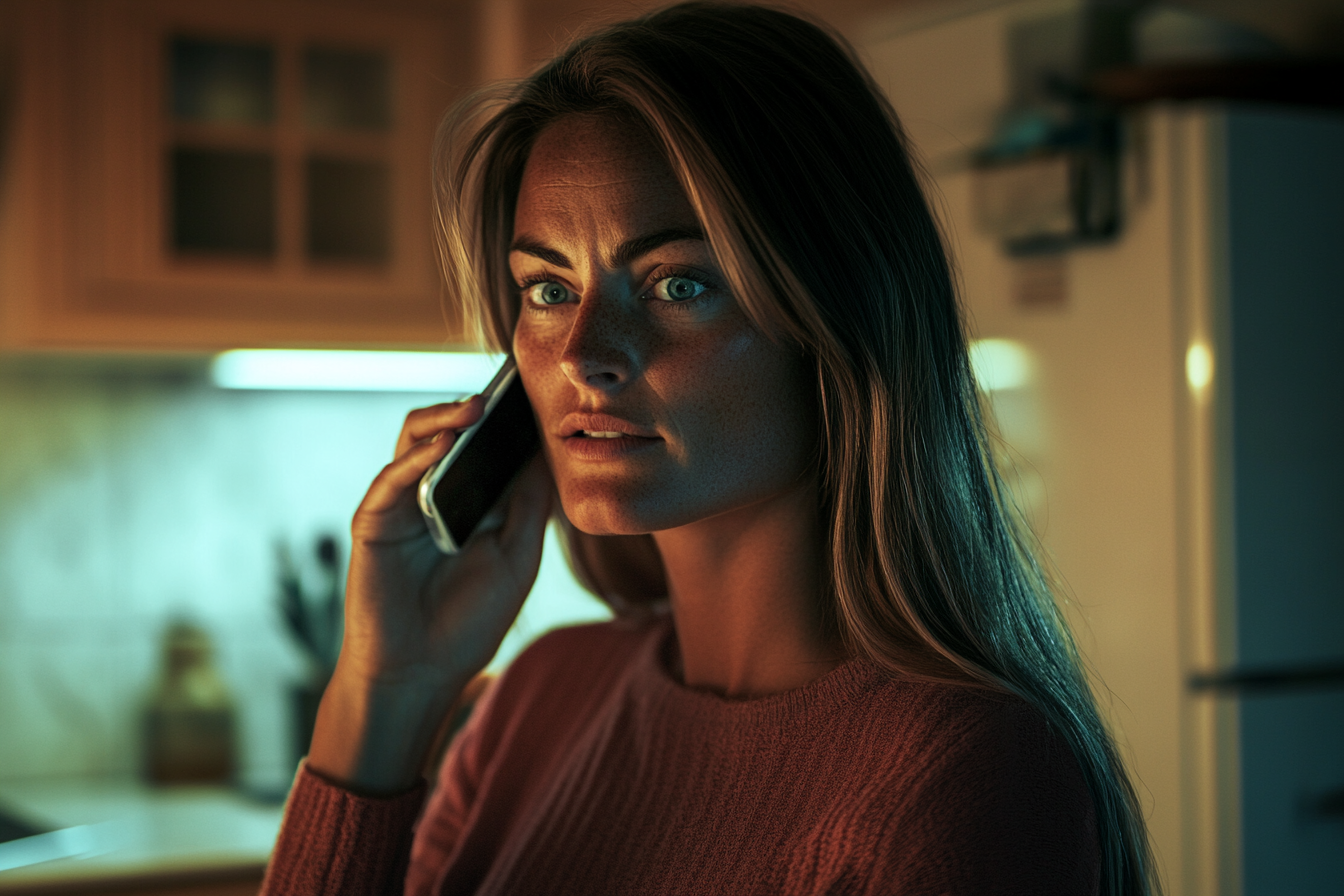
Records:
x=607, y=510
x=595, y=516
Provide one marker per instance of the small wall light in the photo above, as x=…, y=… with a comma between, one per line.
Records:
x=1198, y=366
x=1000, y=364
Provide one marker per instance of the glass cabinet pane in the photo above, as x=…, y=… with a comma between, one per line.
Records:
x=219, y=81
x=346, y=89
x=348, y=213
x=223, y=201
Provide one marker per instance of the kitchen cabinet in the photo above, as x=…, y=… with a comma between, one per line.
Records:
x=190, y=175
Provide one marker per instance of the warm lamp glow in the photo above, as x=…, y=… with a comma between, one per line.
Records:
x=1000, y=364
x=1198, y=366
x=458, y=373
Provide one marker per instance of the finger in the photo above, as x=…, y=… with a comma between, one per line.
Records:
x=425, y=423
x=397, y=481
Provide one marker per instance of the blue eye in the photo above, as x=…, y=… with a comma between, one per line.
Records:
x=547, y=292
x=677, y=289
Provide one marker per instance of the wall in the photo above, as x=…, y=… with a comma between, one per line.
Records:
x=134, y=492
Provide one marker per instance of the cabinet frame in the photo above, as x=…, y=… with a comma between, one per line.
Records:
x=85, y=215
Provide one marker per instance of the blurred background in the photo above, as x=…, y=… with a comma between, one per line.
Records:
x=1145, y=202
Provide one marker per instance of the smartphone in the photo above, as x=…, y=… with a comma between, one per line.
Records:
x=456, y=493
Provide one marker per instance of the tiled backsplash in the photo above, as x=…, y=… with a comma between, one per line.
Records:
x=134, y=494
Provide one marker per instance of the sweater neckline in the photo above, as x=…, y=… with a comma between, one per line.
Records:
x=832, y=691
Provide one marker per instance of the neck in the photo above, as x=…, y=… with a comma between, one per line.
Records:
x=745, y=589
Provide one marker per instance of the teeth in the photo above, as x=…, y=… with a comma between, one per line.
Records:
x=603, y=435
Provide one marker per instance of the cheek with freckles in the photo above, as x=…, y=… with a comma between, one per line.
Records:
x=741, y=429
x=750, y=436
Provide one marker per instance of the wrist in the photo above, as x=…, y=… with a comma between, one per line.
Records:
x=372, y=735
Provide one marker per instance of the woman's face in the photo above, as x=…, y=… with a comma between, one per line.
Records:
x=626, y=327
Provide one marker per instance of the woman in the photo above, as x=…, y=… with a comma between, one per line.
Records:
x=836, y=667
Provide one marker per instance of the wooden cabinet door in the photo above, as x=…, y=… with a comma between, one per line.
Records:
x=195, y=175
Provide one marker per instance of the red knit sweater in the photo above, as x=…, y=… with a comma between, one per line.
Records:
x=589, y=769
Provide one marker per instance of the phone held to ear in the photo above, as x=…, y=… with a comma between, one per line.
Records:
x=456, y=493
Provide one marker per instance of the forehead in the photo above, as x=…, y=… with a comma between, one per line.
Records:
x=598, y=170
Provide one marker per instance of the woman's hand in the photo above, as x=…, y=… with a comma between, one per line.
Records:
x=418, y=623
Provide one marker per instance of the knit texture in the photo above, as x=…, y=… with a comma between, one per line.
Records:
x=335, y=843
x=589, y=769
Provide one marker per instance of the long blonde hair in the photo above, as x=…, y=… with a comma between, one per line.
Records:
x=803, y=180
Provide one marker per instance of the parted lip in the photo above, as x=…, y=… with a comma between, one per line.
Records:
x=573, y=424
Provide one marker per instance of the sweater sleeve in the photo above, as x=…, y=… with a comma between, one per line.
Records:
x=1003, y=810
x=333, y=842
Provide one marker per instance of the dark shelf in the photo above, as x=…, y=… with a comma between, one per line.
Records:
x=1301, y=83
x=1243, y=680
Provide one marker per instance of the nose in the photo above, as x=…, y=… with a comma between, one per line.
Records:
x=600, y=350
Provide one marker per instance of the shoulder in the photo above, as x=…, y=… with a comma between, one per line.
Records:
x=549, y=692
x=975, y=724
x=612, y=636
x=566, y=670
x=953, y=737
x=591, y=651
x=982, y=788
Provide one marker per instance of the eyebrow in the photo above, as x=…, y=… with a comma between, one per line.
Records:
x=625, y=253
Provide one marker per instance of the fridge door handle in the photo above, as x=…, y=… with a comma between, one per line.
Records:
x=1242, y=680
x=1329, y=804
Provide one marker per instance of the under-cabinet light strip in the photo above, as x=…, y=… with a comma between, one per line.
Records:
x=350, y=371
x=998, y=364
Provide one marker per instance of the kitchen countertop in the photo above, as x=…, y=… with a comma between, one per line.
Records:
x=106, y=829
